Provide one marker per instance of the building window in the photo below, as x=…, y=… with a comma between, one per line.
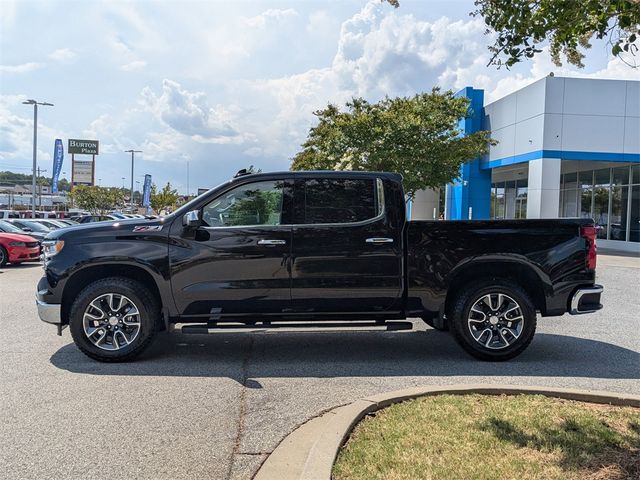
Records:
x=497, y=200
x=611, y=196
x=509, y=199
x=634, y=216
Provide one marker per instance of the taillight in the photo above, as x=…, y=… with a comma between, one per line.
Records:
x=589, y=234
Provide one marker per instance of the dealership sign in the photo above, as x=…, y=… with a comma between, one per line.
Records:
x=83, y=172
x=83, y=147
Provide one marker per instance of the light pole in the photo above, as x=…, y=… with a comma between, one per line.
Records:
x=122, y=183
x=40, y=186
x=35, y=149
x=133, y=152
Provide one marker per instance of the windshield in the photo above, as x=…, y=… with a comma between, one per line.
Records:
x=9, y=228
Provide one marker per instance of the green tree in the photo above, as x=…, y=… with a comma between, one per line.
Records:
x=165, y=198
x=97, y=200
x=416, y=137
x=522, y=25
x=12, y=178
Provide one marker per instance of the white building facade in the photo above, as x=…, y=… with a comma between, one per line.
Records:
x=567, y=147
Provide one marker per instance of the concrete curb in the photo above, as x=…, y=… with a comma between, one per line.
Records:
x=308, y=453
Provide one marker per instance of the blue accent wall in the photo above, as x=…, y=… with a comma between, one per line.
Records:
x=473, y=189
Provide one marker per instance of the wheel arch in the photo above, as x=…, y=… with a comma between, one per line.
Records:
x=83, y=277
x=530, y=279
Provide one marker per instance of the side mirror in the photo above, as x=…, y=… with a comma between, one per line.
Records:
x=27, y=229
x=191, y=219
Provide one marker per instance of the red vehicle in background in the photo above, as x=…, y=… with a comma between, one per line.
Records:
x=17, y=248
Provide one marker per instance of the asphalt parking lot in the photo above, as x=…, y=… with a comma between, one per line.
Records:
x=198, y=406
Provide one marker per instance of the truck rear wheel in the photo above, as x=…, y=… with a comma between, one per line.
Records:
x=493, y=320
x=113, y=319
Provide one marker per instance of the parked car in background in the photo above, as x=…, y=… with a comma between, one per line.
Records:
x=98, y=218
x=50, y=223
x=9, y=214
x=45, y=214
x=18, y=248
x=7, y=226
x=67, y=221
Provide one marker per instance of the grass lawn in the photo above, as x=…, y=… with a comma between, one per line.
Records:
x=494, y=437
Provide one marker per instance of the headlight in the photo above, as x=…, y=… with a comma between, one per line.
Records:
x=52, y=247
x=17, y=244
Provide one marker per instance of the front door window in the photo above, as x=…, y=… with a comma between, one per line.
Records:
x=248, y=205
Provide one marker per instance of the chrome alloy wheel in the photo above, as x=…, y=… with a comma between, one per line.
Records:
x=111, y=321
x=495, y=321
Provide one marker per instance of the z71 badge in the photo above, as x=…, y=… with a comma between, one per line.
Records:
x=148, y=228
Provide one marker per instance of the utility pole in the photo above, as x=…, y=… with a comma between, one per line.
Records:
x=40, y=187
x=35, y=149
x=133, y=152
x=187, y=179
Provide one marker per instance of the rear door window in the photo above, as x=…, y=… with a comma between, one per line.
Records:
x=341, y=200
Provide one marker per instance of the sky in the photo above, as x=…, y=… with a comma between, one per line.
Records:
x=211, y=87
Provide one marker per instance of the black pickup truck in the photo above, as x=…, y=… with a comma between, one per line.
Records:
x=303, y=249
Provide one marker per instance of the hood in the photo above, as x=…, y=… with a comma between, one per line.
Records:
x=86, y=231
x=16, y=237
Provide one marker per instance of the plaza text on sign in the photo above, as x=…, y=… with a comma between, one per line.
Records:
x=86, y=147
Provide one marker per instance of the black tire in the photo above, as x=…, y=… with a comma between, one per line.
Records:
x=146, y=303
x=4, y=256
x=460, y=322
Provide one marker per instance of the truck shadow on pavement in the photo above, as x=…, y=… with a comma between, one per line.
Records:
x=246, y=356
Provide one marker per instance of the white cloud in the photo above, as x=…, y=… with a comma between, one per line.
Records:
x=271, y=16
x=190, y=114
x=378, y=53
x=62, y=54
x=21, y=68
x=320, y=22
x=16, y=141
x=135, y=65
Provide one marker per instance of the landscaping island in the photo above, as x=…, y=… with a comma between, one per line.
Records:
x=488, y=437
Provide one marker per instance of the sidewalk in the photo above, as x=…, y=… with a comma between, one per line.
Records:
x=611, y=259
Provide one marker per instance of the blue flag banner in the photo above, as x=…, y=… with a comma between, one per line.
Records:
x=146, y=192
x=58, y=156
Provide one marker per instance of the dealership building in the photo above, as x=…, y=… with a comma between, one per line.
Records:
x=567, y=147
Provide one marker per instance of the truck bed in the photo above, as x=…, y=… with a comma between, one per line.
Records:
x=548, y=253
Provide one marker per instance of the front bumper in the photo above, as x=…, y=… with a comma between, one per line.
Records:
x=49, y=312
x=24, y=254
x=586, y=300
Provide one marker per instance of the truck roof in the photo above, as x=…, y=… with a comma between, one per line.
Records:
x=321, y=173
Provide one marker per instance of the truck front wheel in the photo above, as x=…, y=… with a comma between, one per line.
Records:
x=113, y=319
x=493, y=319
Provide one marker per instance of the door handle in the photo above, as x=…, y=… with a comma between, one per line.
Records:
x=379, y=240
x=272, y=242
